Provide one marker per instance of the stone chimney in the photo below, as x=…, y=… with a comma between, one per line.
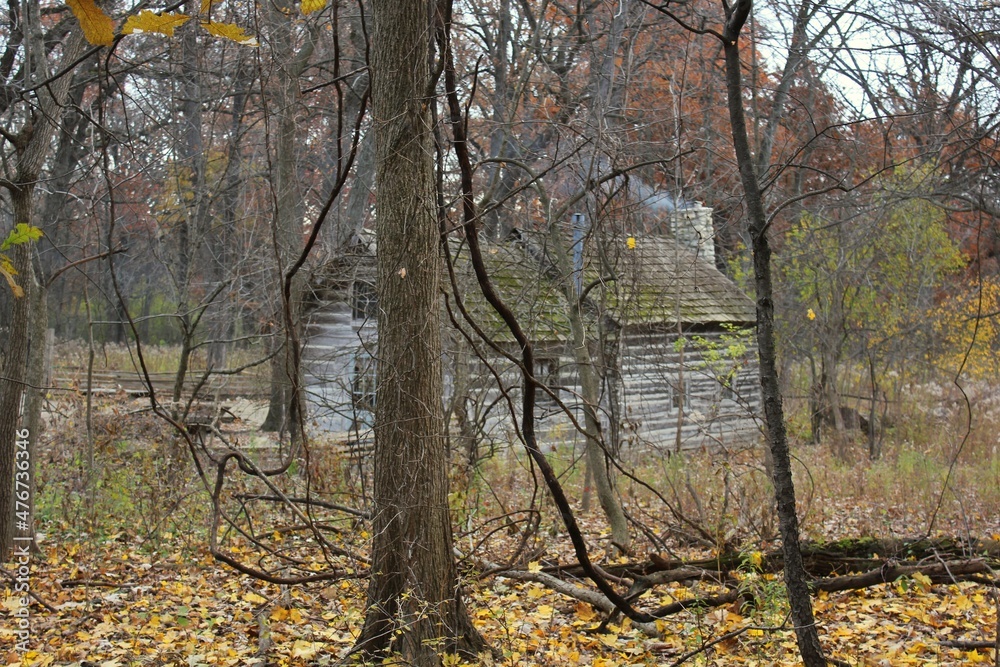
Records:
x=692, y=227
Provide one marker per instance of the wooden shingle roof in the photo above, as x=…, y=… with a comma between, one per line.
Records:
x=656, y=283
x=662, y=282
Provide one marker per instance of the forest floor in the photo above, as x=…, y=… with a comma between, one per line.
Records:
x=124, y=575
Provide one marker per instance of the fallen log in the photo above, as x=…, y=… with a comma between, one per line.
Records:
x=821, y=559
x=889, y=572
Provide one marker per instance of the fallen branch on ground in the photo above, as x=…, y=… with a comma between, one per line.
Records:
x=889, y=571
x=968, y=645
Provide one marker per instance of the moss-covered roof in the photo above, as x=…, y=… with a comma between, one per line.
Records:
x=535, y=298
x=655, y=283
x=661, y=282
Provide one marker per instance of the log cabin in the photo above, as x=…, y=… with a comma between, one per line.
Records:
x=671, y=337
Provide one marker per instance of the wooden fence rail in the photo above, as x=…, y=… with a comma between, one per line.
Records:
x=133, y=384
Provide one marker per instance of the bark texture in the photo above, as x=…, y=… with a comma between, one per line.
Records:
x=15, y=376
x=414, y=606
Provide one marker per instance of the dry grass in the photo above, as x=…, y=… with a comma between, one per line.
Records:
x=158, y=358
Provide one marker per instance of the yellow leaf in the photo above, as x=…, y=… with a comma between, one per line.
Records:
x=253, y=598
x=534, y=566
x=230, y=31
x=206, y=5
x=294, y=616
x=584, y=611
x=22, y=233
x=544, y=611
x=630, y=242
x=279, y=614
x=97, y=26
x=147, y=21
x=310, y=6
x=305, y=650
x=7, y=271
x=923, y=581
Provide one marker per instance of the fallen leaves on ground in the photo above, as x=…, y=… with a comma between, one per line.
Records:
x=117, y=605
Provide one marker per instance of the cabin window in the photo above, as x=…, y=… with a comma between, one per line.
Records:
x=728, y=392
x=364, y=301
x=547, y=371
x=740, y=389
x=363, y=382
x=727, y=388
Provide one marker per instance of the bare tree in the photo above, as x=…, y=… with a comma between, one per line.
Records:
x=729, y=34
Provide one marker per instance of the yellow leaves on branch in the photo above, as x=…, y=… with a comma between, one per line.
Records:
x=97, y=26
x=99, y=29
x=21, y=234
x=968, y=329
x=310, y=6
x=230, y=31
x=147, y=21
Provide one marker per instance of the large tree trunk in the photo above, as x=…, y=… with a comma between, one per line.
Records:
x=784, y=489
x=14, y=375
x=414, y=605
x=33, y=145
